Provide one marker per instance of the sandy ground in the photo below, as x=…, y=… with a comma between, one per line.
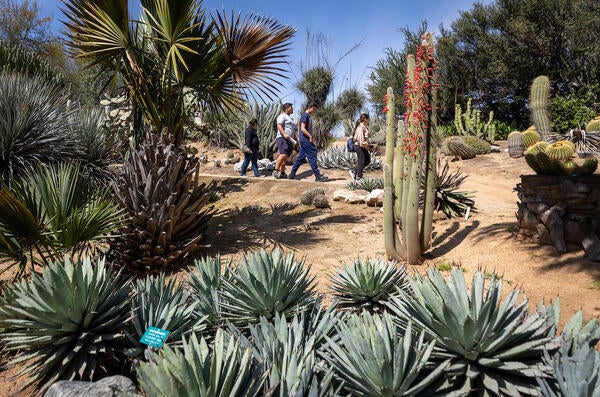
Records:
x=264, y=213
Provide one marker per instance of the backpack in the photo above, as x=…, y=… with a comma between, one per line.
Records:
x=350, y=144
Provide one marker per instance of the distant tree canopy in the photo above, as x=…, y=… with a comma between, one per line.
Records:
x=493, y=52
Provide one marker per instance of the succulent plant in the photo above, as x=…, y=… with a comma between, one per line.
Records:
x=223, y=369
x=368, y=184
x=451, y=202
x=593, y=125
x=460, y=149
x=287, y=351
x=320, y=201
x=480, y=146
x=530, y=137
x=205, y=280
x=496, y=346
x=308, y=196
x=368, y=284
x=537, y=147
x=560, y=150
x=589, y=165
x=169, y=209
x=515, y=144
x=339, y=157
x=163, y=304
x=263, y=284
x=66, y=322
x=371, y=359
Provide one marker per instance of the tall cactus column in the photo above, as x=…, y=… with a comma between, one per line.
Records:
x=410, y=166
x=538, y=103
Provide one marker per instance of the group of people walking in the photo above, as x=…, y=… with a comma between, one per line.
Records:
x=286, y=140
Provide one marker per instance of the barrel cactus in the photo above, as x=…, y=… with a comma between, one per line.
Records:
x=516, y=147
x=308, y=196
x=480, y=146
x=561, y=150
x=461, y=150
x=593, y=125
x=530, y=137
x=537, y=148
x=538, y=103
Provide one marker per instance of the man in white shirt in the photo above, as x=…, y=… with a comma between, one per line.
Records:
x=285, y=140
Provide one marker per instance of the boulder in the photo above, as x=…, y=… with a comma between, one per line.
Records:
x=375, y=198
x=112, y=386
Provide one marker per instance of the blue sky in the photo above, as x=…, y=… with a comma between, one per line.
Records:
x=343, y=23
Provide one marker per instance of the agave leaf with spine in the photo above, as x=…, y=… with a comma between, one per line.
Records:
x=372, y=360
x=205, y=280
x=225, y=369
x=66, y=322
x=163, y=304
x=34, y=122
x=168, y=208
x=286, y=350
x=368, y=184
x=339, y=157
x=368, y=284
x=496, y=346
x=263, y=284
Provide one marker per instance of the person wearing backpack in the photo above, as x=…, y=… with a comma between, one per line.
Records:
x=361, y=146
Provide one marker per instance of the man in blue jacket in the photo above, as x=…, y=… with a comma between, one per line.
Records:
x=308, y=149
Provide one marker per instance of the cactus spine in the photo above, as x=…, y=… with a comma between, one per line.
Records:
x=538, y=103
x=414, y=153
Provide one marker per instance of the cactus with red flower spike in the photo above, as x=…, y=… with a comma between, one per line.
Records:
x=414, y=153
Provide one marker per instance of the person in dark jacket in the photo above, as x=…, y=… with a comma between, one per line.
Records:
x=251, y=150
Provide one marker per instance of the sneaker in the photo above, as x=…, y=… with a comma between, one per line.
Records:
x=292, y=176
x=359, y=179
x=260, y=176
x=283, y=175
x=276, y=174
x=244, y=176
x=352, y=175
x=321, y=178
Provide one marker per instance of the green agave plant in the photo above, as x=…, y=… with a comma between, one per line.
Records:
x=205, y=280
x=371, y=359
x=53, y=211
x=164, y=304
x=576, y=372
x=286, y=351
x=224, y=369
x=368, y=284
x=496, y=346
x=339, y=157
x=263, y=284
x=66, y=322
x=368, y=184
x=34, y=122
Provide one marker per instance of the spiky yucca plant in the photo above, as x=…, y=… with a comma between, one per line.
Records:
x=34, y=125
x=267, y=130
x=339, y=157
x=368, y=184
x=164, y=304
x=66, y=322
x=286, y=350
x=53, y=211
x=371, y=359
x=204, y=280
x=451, y=202
x=168, y=208
x=368, y=284
x=496, y=346
x=263, y=284
x=223, y=369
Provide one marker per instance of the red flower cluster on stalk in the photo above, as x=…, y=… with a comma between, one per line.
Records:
x=385, y=102
x=417, y=95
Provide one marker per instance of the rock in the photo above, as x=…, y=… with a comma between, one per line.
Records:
x=552, y=219
x=375, y=198
x=112, y=386
x=590, y=241
x=351, y=197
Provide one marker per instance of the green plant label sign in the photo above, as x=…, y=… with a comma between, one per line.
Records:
x=154, y=337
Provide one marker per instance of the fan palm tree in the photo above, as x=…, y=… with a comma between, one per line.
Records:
x=176, y=56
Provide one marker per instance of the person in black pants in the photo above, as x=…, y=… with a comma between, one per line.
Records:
x=251, y=150
x=361, y=146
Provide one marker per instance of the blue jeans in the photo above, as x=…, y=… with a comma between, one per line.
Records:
x=308, y=150
x=250, y=157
